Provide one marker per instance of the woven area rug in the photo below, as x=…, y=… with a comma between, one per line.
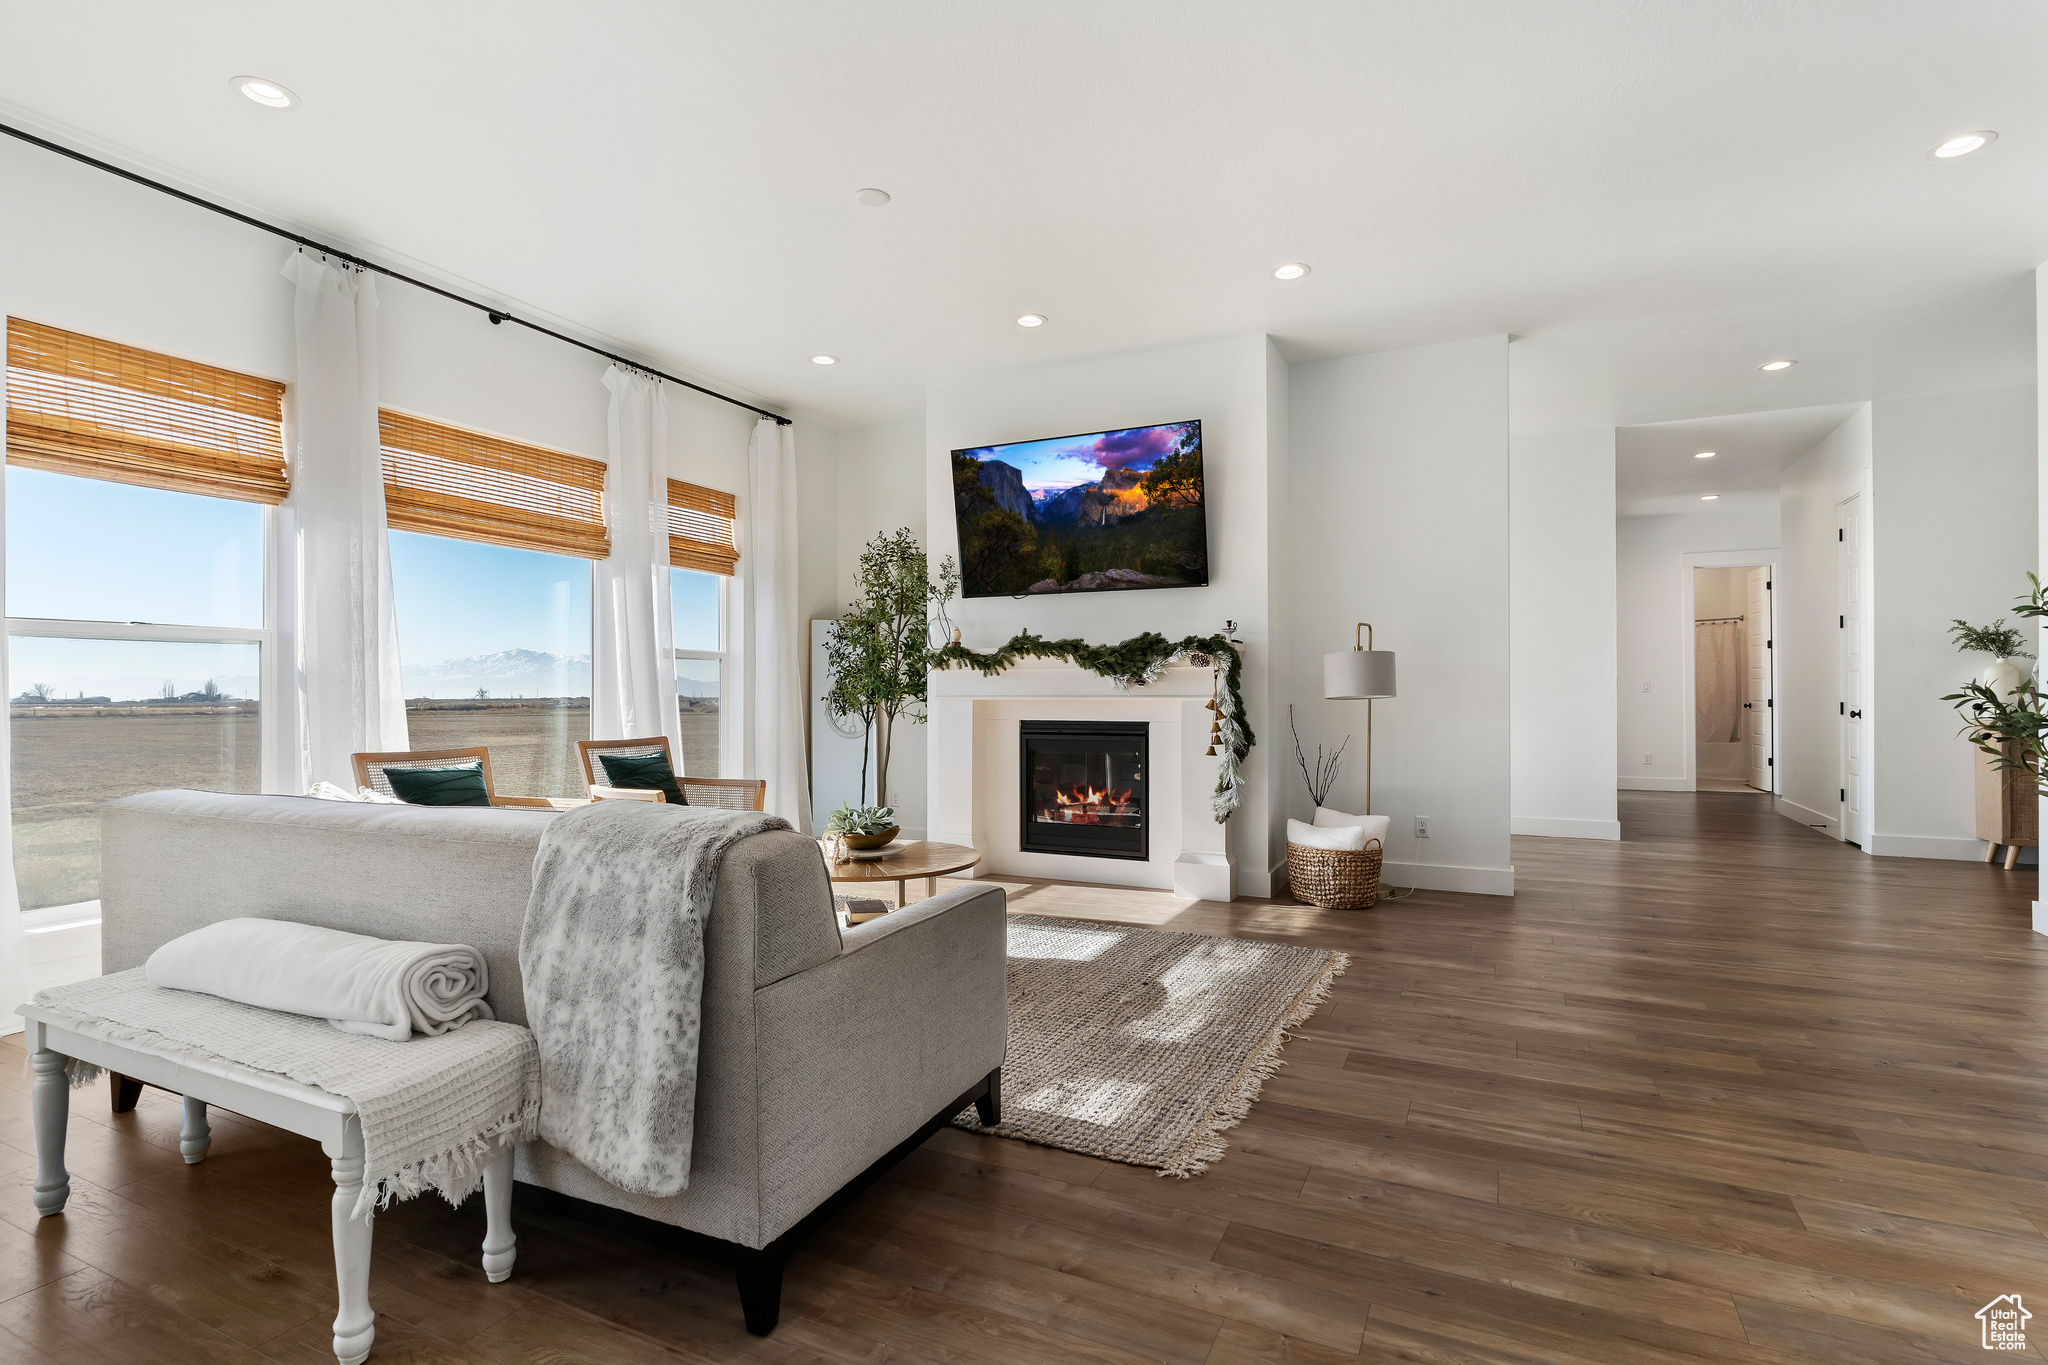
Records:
x=1142, y=1046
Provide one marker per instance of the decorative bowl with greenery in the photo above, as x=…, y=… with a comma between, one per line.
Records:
x=863, y=826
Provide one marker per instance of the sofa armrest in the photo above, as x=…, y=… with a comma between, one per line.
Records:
x=858, y=1052
x=896, y=921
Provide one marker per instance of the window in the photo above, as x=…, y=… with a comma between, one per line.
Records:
x=491, y=543
x=92, y=720
x=703, y=550
x=137, y=487
x=699, y=611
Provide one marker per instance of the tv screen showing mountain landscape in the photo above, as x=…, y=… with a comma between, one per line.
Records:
x=1107, y=511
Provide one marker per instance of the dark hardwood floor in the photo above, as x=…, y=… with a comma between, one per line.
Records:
x=1723, y=1091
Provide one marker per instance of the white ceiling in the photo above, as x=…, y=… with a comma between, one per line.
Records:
x=1656, y=195
x=1658, y=469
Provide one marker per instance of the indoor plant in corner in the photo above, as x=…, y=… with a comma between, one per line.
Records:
x=2008, y=722
x=880, y=650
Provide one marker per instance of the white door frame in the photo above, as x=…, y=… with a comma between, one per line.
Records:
x=1868, y=575
x=1710, y=559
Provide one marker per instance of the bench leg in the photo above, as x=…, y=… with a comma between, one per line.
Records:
x=501, y=1248
x=51, y=1101
x=197, y=1134
x=123, y=1091
x=355, y=1326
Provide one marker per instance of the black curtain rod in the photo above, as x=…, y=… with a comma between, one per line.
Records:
x=496, y=315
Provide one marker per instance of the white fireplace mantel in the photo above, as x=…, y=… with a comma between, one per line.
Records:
x=973, y=790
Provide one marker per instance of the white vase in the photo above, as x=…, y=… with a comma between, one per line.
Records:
x=2004, y=677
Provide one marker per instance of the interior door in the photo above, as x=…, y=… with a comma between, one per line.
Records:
x=1759, y=708
x=1849, y=556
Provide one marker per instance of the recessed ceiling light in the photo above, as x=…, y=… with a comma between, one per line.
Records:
x=871, y=198
x=824, y=360
x=1293, y=270
x=1962, y=144
x=1704, y=455
x=1032, y=320
x=1710, y=497
x=1777, y=365
x=269, y=94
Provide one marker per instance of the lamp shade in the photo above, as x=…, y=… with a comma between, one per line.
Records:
x=1357, y=674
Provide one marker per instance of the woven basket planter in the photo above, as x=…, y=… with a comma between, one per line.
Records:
x=1335, y=878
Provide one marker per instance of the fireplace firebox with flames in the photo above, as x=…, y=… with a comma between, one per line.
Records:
x=1085, y=788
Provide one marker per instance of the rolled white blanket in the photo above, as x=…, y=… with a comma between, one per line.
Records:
x=358, y=984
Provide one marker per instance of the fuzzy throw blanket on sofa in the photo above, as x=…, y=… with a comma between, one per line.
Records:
x=613, y=958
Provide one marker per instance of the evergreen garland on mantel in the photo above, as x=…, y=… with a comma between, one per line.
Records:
x=1137, y=661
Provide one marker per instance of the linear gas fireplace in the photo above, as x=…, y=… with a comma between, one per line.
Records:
x=1085, y=787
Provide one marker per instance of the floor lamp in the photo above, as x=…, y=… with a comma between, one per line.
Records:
x=1361, y=673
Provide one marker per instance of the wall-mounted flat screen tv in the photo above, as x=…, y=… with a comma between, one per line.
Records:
x=1104, y=512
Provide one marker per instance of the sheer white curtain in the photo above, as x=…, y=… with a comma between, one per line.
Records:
x=777, y=636
x=13, y=945
x=632, y=655
x=341, y=691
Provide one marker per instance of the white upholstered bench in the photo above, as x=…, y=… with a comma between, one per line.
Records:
x=266, y=1097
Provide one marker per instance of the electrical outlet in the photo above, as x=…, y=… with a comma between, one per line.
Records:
x=1422, y=826
x=1646, y=760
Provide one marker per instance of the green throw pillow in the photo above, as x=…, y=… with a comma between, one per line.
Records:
x=439, y=786
x=643, y=772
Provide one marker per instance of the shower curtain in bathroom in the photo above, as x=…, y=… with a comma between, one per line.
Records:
x=1717, y=681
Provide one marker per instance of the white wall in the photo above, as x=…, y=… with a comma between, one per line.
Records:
x=2041, y=507
x=1228, y=385
x=1561, y=633
x=1399, y=508
x=1808, y=624
x=1718, y=593
x=1954, y=479
x=1653, y=631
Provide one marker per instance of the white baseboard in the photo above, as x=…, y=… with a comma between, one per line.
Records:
x=1551, y=828
x=1952, y=849
x=2040, y=918
x=1829, y=825
x=1652, y=784
x=1478, y=881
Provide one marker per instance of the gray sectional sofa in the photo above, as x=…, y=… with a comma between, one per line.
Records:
x=825, y=1052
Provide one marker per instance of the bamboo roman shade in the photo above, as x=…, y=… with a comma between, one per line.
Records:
x=449, y=481
x=79, y=405
x=701, y=532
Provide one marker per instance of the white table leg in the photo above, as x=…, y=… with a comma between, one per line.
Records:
x=51, y=1102
x=355, y=1326
x=501, y=1248
x=197, y=1134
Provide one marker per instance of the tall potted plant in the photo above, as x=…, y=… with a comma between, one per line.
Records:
x=880, y=650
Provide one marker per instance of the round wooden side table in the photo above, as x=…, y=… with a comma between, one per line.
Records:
x=918, y=858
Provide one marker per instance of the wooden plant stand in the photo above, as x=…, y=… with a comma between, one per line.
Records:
x=2008, y=811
